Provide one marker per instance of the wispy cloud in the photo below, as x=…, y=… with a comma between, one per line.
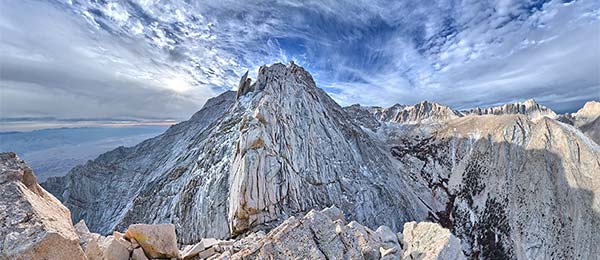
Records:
x=147, y=59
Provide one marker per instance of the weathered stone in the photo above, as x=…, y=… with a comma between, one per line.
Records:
x=190, y=251
x=118, y=234
x=206, y=253
x=315, y=236
x=430, y=241
x=334, y=213
x=90, y=242
x=97, y=247
x=138, y=254
x=93, y=249
x=390, y=248
x=33, y=224
x=115, y=248
x=244, y=86
x=134, y=243
x=158, y=241
x=81, y=228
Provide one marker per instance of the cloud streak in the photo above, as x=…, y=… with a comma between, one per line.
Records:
x=162, y=59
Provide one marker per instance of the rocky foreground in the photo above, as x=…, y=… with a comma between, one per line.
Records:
x=35, y=225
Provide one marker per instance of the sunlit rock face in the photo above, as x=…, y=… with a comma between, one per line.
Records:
x=586, y=119
x=33, y=223
x=278, y=148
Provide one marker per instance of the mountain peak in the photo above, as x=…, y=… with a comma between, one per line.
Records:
x=529, y=107
x=287, y=75
x=591, y=109
x=530, y=102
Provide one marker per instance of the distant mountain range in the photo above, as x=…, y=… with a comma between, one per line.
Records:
x=514, y=181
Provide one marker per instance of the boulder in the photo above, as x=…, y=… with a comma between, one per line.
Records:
x=114, y=248
x=157, y=241
x=390, y=247
x=205, y=248
x=317, y=235
x=191, y=251
x=97, y=247
x=33, y=223
x=138, y=254
x=323, y=235
x=89, y=242
x=430, y=241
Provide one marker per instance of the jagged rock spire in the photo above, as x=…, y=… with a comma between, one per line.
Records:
x=244, y=86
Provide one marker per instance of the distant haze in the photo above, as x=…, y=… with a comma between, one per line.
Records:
x=53, y=152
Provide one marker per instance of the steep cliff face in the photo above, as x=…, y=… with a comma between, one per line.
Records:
x=529, y=108
x=297, y=150
x=157, y=180
x=279, y=147
x=510, y=187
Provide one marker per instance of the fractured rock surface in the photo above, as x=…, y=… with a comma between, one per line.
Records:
x=33, y=223
x=157, y=241
x=428, y=240
x=318, y=235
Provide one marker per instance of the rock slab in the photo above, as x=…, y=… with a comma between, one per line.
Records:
x=158, y=241
x=33, y=223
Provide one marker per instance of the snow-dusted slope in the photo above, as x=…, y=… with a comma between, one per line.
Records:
x=530, y=108
x=280, y=148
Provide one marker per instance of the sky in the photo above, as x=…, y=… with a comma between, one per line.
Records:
x=65, y=62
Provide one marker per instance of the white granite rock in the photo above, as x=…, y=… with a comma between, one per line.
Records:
x=428, y=241
x=33, y=223
x=158, y=241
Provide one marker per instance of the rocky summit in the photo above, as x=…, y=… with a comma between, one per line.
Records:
x=279, y=170
x=278, y=148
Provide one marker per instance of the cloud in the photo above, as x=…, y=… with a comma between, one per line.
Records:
x=161, y=59
x=52, y=65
